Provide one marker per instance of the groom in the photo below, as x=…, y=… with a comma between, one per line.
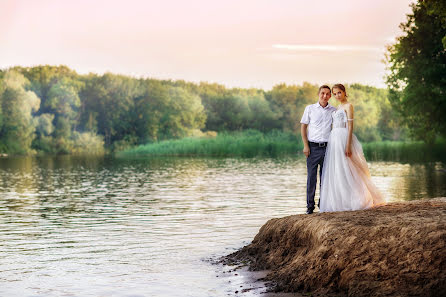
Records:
x=315, y=130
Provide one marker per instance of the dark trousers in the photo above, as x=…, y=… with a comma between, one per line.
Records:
x=315, y=158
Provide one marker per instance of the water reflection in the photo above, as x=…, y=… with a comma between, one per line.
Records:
x=102, y=226
x=409, y=182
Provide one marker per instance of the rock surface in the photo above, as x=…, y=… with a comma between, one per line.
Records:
x=393, y=250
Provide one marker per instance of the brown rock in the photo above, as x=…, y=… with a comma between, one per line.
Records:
x=393, y=250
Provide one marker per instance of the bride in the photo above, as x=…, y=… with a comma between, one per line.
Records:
x=346, y=183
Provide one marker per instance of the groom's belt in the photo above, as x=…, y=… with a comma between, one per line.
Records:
x=319, y=144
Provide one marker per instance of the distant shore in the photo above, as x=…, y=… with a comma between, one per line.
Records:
x=393, y=250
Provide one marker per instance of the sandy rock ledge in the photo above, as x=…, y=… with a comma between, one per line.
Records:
x=392, y=250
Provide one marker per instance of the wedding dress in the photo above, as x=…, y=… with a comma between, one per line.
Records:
x=346, y=183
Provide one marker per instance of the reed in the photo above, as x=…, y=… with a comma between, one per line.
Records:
x=407, y=151
x=248, y=143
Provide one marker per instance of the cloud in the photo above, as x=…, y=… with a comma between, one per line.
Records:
x=327, y=48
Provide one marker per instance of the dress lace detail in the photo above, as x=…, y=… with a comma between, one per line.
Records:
x=339, y=119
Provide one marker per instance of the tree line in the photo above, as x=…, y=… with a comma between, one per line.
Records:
x=55, y=110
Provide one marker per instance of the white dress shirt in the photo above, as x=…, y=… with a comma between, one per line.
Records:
x=319, y=120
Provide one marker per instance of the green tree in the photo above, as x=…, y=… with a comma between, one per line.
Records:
x=184, y=113
x=2, y=88
x=211, y=96
x=44, y=129
x=107, y=100
x=262, y=117
x=58, y=88
x=417, y=64
x=42, y=78
x=44, y=124
x=17, y=105
x=63, y=100
x=149, y=108
x=289, y=102
x=165, y=111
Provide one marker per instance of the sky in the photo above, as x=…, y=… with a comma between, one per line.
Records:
x=237, y=43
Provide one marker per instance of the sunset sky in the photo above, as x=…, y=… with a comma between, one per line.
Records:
x=243, y=43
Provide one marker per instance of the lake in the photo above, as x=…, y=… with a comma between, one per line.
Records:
x=103, y=226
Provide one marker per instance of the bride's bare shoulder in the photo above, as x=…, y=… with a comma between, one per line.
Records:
x=349, y=110
x=349, y=106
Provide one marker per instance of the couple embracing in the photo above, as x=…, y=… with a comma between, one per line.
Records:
x=329, y=143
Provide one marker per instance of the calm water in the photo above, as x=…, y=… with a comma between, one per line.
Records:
x=137, y=227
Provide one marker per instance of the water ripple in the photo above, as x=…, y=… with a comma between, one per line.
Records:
x=102, y=226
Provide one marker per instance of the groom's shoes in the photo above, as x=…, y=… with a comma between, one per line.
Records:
x=309, y=211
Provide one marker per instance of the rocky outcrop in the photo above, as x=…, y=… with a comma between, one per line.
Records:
x=393, y=250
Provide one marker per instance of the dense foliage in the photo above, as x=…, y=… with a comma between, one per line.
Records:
x=54, y=109
x=417, y=63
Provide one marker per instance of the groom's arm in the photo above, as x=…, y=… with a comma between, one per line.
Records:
x=303, y=130
x=303, y=133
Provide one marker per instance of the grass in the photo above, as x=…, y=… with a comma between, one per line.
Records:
x=247, y=143
x=251, y=143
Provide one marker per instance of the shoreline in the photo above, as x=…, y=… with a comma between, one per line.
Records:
x=397, y=249
x=245, y=282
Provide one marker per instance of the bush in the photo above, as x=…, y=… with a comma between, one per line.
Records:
x=87, y=143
